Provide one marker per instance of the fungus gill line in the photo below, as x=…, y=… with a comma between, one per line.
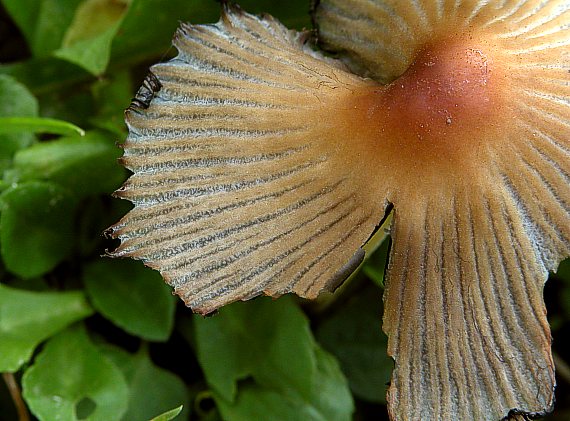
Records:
x=261, y=166
x=215, y=211
x=509, y=217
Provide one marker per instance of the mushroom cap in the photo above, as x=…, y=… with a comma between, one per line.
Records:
x=262, y=166
x=476, y=95
x=241, y=183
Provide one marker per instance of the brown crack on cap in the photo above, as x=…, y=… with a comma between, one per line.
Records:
x=261, y=166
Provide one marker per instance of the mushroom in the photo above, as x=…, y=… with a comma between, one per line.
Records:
x=263, y=166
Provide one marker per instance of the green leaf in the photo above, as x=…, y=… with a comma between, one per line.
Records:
x=169, y=415
x=354, y=335
x=326, y=402
x=43, y=22
x=38, y=125
x=72, y=379
x=132, y=296
x=28, y=318
x=85, y=165
x=15, y=101
x=144, y=35
x=148, y=26
x=152, y=390
x=36, y=227
x=163, y=17
x=88, y=39
x=269, y=342
x=94, y=17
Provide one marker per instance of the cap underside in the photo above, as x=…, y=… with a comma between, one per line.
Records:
x=260, y=166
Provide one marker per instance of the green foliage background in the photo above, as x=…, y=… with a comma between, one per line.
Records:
x=86, y=337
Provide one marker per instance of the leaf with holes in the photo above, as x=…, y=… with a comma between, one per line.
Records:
x=328, y=400
x=72, y=379
x=270, y=343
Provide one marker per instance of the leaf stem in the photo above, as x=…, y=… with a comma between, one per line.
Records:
x=14, y=389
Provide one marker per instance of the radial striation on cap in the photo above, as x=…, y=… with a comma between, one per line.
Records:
x=262, y=166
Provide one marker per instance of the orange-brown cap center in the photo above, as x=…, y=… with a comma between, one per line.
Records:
x=450, y=88
x=445, y=86
x=439, y=116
